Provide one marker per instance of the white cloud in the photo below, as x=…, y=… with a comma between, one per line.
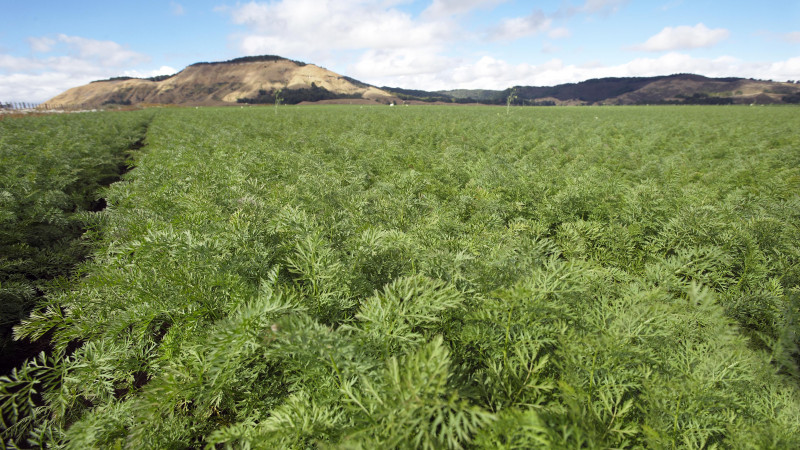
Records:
x=163, y=70
x=71, y=61
x=382, y=45
x=783, y=70
x=295, y=28
x=107, y=53
x=17, y=87
x=380, y=64
x=17, y=64
x=684, y=37
x=177, y=9
x=380, y=42
x=491, y=73
x=518, y=27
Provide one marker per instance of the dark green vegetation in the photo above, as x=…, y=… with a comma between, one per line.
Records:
x=246, y=59
x=793, y=98
x=294, y=96
x=591, y=91
x=51, y=172
x=436, y=278
x=682, y=89
x=155, y=78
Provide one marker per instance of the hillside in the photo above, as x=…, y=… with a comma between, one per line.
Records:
x=671, y=89
x=258, y=79
x=242, y=80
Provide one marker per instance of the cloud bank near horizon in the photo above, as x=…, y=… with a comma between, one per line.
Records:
x=442, y=44
x=59, y=62
x=413, y=52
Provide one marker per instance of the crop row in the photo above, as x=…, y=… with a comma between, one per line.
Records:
x=51, y=172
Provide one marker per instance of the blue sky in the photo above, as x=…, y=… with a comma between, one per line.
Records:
x=47, y=47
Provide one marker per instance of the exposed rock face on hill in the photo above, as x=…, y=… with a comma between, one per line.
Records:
x=243, y=80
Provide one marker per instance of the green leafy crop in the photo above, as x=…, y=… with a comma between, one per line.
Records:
x=52, y=171
x=437, y=277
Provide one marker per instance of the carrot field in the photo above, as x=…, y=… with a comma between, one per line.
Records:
x=419, y=277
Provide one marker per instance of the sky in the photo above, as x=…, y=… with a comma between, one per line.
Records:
x=47, y=46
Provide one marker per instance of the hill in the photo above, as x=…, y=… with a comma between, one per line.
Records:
x=669, y=89
x=258, y=79
x=254, y=79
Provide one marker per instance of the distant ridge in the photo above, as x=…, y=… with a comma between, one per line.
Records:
x=666, y=89
x=260, y=79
